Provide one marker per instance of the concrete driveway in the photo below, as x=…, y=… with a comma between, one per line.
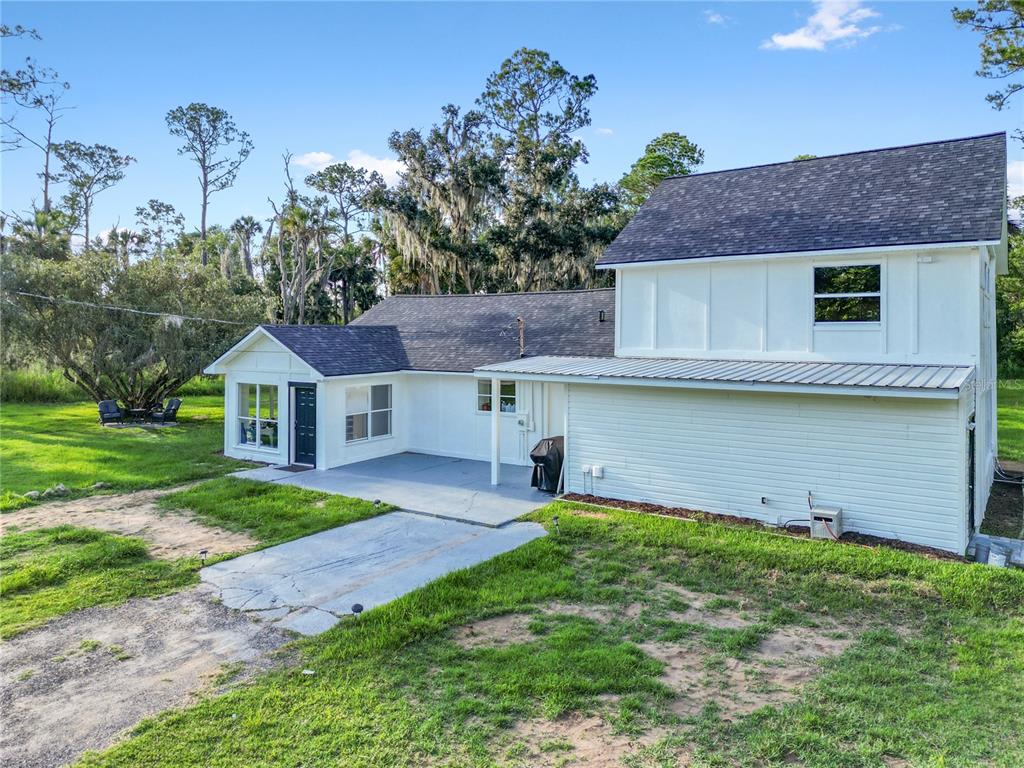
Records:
x=307, y=585
x=456, y=489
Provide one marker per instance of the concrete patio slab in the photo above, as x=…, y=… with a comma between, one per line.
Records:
x=308, y=584
x=264, y=474
x=454, y=489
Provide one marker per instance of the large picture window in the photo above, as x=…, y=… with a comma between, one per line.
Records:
x=506, y=399
x=257, y=415
x=367, y=412
x=851, y=294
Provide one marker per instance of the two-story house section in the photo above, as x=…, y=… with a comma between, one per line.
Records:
x=821, y=328
x=814, y=333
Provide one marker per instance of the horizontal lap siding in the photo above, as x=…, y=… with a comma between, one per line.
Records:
x=894, y=465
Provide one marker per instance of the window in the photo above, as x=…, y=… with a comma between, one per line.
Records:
x=848, y=294
x=257, y=415
x=506, y=399
x=367, y=412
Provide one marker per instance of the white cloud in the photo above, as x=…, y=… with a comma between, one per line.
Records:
x=315, y=161
x=605, y=131
x=387, y=167
x=833, y=21
x=714, y=17
x=1015, y=178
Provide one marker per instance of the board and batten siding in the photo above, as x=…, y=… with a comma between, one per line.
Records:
x=895, y=466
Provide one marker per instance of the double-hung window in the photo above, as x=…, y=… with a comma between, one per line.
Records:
x=506, y=397
x=257, y=415
x=848, y=294
x=367, y=412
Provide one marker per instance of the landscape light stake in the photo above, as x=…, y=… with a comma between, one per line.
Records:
x=202, y=555
x=555, y=521
x=357, y=609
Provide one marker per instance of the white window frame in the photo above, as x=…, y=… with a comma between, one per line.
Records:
x=369, y=412
x=849, y=324
x=260, y=421
x=486, y=397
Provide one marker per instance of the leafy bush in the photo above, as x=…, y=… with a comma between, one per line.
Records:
x=37, y=386
x=199, y=386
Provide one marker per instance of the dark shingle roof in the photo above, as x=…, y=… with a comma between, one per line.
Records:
x=941, y=192
x=335, y=350
x=456, y=333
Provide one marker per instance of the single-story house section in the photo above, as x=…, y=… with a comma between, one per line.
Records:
x=811, y=333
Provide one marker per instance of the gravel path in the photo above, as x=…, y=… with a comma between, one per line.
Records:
x=81, y=680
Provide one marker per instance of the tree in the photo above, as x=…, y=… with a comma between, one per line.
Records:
x=1001, y=23
x=89, y=170
x=160, y=223
x=245, y=228
x=534, y=107
x=439, y=211
x=83, y=325
x=25, y=87
x=804, y=157
x=1010, y=304
x=670, y=154
x=47, y=102
x=205, y=131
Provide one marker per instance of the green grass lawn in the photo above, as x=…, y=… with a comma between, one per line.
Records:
x=46, y=444
x=50, y=572
x=1010, y=406
x=934, y=675
x=269, y=512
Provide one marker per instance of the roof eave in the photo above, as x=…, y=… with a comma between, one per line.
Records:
x=731, y=386
x=862, y=250
x=217, y=367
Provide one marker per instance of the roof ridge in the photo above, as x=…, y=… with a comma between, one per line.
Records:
x=838, y=154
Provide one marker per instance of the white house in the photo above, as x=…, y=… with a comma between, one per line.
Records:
x=819, y=329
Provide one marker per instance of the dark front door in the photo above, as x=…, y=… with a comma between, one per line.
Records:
x=305, y=425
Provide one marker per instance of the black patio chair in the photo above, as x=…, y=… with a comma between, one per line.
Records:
x=166, y=414
x=110, y=412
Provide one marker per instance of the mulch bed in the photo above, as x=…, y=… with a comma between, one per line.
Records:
x=798, y=531
x=1004, y=515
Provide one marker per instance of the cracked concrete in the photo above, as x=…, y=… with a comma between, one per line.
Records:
x=307, y=585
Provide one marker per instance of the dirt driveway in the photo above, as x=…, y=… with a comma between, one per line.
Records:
x=76, y=683
x=170, y=535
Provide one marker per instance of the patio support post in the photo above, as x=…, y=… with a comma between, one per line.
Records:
x=495, y=431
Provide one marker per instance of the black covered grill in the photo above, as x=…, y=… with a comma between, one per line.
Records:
x=547, y=459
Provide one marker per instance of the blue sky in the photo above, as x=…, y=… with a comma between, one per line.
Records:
x=336, y=78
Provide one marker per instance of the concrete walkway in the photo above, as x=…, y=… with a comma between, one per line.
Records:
x=454, y=489
x=308, y=584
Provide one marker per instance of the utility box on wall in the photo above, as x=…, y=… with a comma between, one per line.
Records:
x=826, y=522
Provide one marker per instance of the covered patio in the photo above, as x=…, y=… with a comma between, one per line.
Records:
x=454, y=489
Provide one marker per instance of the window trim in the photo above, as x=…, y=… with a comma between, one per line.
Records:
x=849, y=325
x=370, y=410
x=257, y=418
x=490, y=395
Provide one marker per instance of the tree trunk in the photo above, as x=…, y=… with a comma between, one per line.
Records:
x=202, y=215
x=86, y=207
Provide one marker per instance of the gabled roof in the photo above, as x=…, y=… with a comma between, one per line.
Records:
x=339, y=350
x=454, y=333
x=463, y=331
x=941, y=192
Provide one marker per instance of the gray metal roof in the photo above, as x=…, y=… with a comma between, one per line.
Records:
x=941, y=192
x=869, y=376
x=457, y=332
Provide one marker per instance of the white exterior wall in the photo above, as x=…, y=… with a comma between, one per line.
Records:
x=264, y=361
x=895, y=465
x=764, y=309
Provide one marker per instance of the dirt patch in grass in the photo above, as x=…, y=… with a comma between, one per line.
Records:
x=585, y=740
x=509, y=629
x=772, y=675
x=81, y=680
x=170, y=535
x=710, y=610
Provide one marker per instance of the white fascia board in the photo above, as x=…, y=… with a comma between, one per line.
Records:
x=731, y=386
x=799, y=254
x=217, y=366
x=409, y=371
